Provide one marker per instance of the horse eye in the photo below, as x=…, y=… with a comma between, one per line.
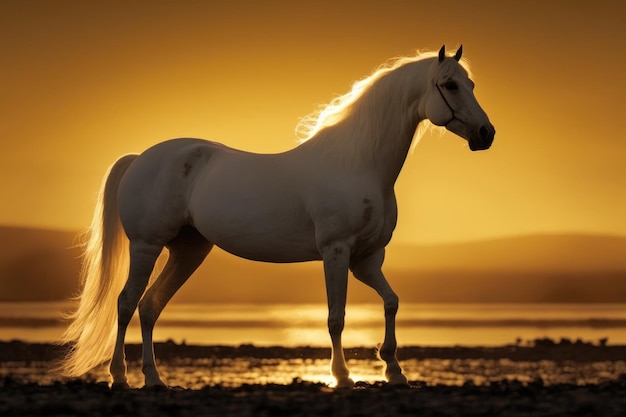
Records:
x=451, y=85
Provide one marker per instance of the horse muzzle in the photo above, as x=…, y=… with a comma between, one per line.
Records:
x=483, y=139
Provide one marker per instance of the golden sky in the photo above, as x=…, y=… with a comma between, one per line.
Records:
x=83, y=82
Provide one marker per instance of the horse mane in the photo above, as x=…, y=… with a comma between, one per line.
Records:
x=356, y=104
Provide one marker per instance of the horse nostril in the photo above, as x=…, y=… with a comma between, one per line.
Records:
x=483, y=132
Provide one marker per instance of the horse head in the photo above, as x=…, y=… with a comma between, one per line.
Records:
x=449, y=101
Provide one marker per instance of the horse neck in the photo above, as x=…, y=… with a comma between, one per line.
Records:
x=378, y=132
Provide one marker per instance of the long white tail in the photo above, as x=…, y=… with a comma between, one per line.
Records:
x=91, y=334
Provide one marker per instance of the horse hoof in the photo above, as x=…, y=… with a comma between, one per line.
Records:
x=156, y=385
x=345, y=383
x=398, y=380
x=115, y=386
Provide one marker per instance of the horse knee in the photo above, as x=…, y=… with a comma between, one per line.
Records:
x=391, y=304
x=335, y=325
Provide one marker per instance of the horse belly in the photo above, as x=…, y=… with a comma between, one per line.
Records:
x=256, y=222
x=261, y=238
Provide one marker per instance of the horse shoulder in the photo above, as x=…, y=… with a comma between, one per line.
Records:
x=351, y=211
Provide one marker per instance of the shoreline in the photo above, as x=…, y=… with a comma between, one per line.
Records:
x=539, y=349
x=247, y=380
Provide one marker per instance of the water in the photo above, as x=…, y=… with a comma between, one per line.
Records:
x=305, y=325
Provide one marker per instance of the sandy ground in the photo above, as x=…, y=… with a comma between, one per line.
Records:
x=542, y=380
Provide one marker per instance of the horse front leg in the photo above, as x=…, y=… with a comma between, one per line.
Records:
x=368, y=271
x=336, y=259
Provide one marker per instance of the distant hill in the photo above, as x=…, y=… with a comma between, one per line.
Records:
x=531, y=253
x=37, y=264
x=538, y=268
x=40, y=265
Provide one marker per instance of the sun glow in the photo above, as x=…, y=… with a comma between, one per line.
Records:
x=360, y=371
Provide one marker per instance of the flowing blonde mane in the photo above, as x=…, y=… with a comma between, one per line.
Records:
x=352, y=103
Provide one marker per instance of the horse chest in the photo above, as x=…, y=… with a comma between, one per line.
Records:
x=376, y=227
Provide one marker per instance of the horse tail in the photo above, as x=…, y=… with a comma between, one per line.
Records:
x=105, y=263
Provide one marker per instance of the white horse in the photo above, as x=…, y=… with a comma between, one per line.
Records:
x=331, y=198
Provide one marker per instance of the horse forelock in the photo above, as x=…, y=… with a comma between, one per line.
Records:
x=450, y=67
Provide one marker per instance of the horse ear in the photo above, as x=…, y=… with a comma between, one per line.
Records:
x=442, y=53
x=458, y=54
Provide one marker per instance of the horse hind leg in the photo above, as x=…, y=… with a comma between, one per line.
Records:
x=142, y=259
x=186, y=253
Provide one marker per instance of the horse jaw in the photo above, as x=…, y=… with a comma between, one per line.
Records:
x=478, y=138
